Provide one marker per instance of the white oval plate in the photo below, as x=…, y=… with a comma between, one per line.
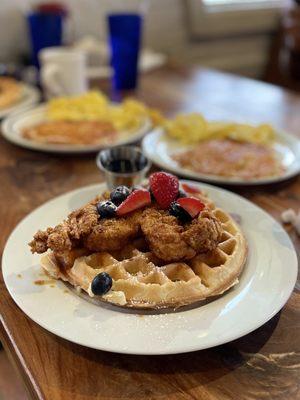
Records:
x=30, y=96
x=265, y=285
x=12, y=130
x=160, y=148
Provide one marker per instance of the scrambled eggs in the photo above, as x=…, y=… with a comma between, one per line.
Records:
x=193, y=128
x=95, y=106
x=128, y=116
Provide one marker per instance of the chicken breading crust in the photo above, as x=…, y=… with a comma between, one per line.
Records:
x=168, y=239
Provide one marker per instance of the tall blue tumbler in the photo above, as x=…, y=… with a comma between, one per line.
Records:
x=45, y=31
x=125, y=38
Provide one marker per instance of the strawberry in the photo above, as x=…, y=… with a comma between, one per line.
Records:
x=192, y=205
x=190, y=189
x=137, y=199
x=164, y=188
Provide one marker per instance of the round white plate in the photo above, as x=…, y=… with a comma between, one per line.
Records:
x=160, y=149
x=12, y=130
x=30, y=96
x=265, y=285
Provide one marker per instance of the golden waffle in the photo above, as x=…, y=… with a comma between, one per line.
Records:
x=141, y=281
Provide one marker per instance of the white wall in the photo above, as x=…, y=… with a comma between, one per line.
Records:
x=13, y=37
x=166, y=29
x=164, y=26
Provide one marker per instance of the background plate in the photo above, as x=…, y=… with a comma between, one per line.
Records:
x=159, y=148
x=12, y=128
x=265, y=285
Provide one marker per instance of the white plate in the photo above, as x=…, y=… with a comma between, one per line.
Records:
x=160, y=148
x=30, y=96
x=12, y=130
x=265, y=285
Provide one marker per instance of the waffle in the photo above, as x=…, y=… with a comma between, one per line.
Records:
x=140, y=280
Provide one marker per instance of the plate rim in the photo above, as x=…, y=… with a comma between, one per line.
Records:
x=8, y=125
x=196, y=347
x=214, y=179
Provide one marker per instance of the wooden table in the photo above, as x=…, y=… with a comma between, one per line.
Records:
x=262, y=365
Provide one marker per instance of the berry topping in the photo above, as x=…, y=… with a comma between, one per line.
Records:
x=106, y=209
x=101, y=284
x=164, y=188
x=181, y=193
x=190, y=189
x=192, y=205
x=177, y=211
x=119, y=194
x=137, y=199
x=151, y=194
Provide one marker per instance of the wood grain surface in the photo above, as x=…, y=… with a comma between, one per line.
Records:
x=262, y=365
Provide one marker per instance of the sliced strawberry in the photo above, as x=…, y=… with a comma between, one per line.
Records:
x=191, y=205
x=164, y=188
x=190, y=189
x=137, y=199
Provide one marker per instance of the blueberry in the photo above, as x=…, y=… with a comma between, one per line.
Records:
x=181, y=193
x=101, y=284
x=106, y=209
x=179, y=212
x=119, y=194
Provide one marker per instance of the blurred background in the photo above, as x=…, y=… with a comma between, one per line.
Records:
x=255, y=38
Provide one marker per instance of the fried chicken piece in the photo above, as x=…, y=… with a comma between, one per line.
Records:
x=81, y=222
x=56, y=239
x=170, y=241
x=84, y=227
x=113, y=234
x=59, y=239
x=204, y=233
x=66, y=235
x=164, y=236
x=39, y=242
x=167, y=238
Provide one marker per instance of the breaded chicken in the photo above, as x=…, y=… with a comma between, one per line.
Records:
x=68, y=234
x=204, y=233
x=171, y=241
x=164, y=236
x=39, y=242
x=168, y=239
x=84, y=228
x=113, y=234
x=80, y=222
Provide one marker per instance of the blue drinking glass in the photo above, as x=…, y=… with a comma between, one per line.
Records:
x=45, y=31
x=125, y=39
